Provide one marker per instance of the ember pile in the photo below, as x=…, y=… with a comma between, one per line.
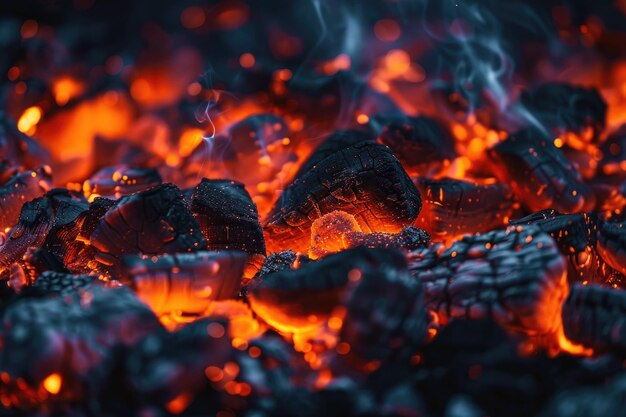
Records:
x=320, y=208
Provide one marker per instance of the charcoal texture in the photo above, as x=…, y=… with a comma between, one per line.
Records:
x=565, y=107
x=454, y=207
x=115, y=182
x=150, y=222
x=516, y=277
x=227, y=216
x=51, y=282
x=539, y=174
x=576, y=236
x=420, y=143
x=410, y=238
x=18, y=147
x=304, y=297
x=595, y=317
x=612, y=244
x=21, y=188
x=73, y=336
x=184, y=282
x=364, y=180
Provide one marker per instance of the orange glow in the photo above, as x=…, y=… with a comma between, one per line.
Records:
x=246, y=60
x=340, y=63
x=234, y=16
x=192, y=17
x=29, y=29
x=362, y=119
x=180, y=403
x=65, y=89
x=53, y=383
x=387, y=30
x=189, y=140
x=27, y=122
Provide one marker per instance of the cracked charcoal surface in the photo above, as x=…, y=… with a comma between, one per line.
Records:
x=21, y=188
x=418, y=142
x=282, y=261
x=595, y=317
x=612, y=244
x=227, y=216
x=290, y=297
x=453, y=207
x=73, y=335
x=51, y=282
x=114, y=182
x=364, y=180
x=385, y=319
x=565, y=107
x=184, y=282
x=576, y=236
x=515, y=276
x=150, y=222
x=539, y=174
x=410, y=238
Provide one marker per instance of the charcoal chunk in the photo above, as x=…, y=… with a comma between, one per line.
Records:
x=51, y=282
x=420, y=143
x=71, y=337
x=293, y=300
x=539, y=174
x=21, y=188
x=454, y=207
x=115, y=182
x=282, y=261
x=595, y=316
x=150, y=222
x=410, y=238
x=183, y=282
x=566, y=107
x=227, y=216
x=516, y=277
x=612, y=244
x=18, y=147
x=364, y=180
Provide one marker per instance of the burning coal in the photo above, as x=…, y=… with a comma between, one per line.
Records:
x=235, y=208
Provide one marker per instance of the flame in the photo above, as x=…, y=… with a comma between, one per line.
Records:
x=65, y=89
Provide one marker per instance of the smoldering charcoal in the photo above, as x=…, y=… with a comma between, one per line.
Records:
x=237, y=208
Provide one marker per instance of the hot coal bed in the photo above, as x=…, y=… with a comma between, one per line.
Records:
x=403, y=208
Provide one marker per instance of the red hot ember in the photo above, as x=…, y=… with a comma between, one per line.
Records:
x=238, y=208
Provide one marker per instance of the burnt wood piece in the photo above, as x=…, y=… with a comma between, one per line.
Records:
x=420, y=143
x=576, y=236
x=227, y=216
x=452, y=207
x=364, y=180
x=21, y=188
x=115, y=182
x=565, y=107
x=292, y=300
x=410, y=238
x=612, y=244
x=18, y=147
x=595, y=316
x=74, y=336
x=58, y=283
x=151, y=222
x=183, y=282
x=385, y=319
x=516, y=277
x=539, y=174
x=39, y=221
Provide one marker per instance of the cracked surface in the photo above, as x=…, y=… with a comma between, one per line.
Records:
x=19, y=189
x=515, y=276
x=363, y=179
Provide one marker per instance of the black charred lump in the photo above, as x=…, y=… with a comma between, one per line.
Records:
x=360, y=177
x=565, y=107
x=151, y=222
x=418, y=142
x=51, y=282
x=227, y=216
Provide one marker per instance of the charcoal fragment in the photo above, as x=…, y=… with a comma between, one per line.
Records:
x=595, y=316
x=420, y=143
x=282, y=261
x=452, y=208
x=183, y=282
x=18, y=147
x=516, y=277
x=612, y=244
x=21, y=188
x=293, y=300
x=57, y=283
x=364, y=180
x=150, y=222
x=565, y=107
x=115, y=182
x=539, y=174
x=227, y=216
